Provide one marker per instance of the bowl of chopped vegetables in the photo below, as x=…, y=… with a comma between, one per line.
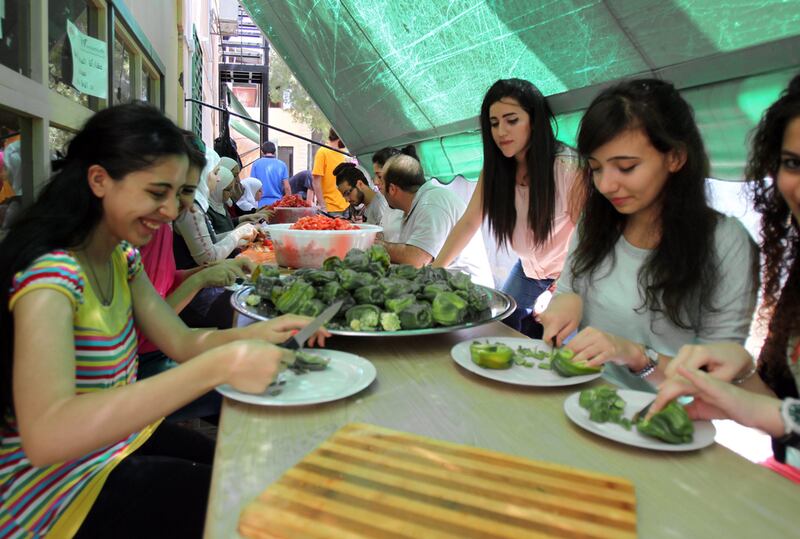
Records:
x=290, y=209
x=309, y=241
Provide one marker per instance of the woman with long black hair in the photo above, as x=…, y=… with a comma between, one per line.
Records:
x=652, y=267
x=528, y=191
x=83, y=449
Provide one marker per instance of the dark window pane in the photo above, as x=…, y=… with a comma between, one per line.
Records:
x=15, y=36
x=83, y=15
x=122, y=86
x=11, y=169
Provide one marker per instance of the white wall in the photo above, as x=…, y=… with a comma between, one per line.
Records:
x=158, y=19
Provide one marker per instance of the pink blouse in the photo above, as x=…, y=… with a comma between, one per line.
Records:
x=159, y=264
x=546, y=261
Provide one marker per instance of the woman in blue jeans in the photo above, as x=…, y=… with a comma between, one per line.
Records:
x=528, y=191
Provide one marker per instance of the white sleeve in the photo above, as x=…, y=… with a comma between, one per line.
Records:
x=564, y=285
x=737, y=285
x=432, y=224
x=192, y=226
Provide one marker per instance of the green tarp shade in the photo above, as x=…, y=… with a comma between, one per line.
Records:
x=389, y=72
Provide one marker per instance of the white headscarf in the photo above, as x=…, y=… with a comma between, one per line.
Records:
x=215, y=200
x=228, y=163
x=248, y=201
x=201, y=194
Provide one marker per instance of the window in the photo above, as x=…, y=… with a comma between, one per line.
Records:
x=149, y=89
x=122, y=85
x=84, y=15
x=286, y=154
x=59, y=141
x=197, y=86
x=15, y=36
x=12, y=169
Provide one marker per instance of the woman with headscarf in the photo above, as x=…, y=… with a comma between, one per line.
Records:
x=196, y=240
x=248, y=203
x=236, y=187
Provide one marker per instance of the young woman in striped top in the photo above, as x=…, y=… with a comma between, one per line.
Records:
x=83, y=452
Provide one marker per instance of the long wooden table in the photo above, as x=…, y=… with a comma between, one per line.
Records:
x=419, y=389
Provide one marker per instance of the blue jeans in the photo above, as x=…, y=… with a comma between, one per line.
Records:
x=525, y=292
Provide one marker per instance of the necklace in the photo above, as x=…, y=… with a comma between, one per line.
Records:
x=106, y=301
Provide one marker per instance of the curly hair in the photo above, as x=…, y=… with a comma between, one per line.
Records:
x=780, y=240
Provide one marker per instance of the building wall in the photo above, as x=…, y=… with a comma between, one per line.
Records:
x=158, y=19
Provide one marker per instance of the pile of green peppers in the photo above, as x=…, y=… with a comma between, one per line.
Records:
x=375, y=294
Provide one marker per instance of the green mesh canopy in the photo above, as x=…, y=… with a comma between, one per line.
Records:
x=392, y=72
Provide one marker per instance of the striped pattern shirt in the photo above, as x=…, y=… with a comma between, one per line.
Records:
x=54, y=500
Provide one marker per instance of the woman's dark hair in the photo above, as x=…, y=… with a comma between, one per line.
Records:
x=405, y=172
x=349, y=173
x=680, y=275
x=122, y=139
x=195, y=150
x=780, y=241
x=384, y=154
x=499, y=171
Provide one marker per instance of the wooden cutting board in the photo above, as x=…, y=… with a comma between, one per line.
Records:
x=368, y=481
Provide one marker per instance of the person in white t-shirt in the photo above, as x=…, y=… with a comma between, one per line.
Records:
x=354, y=187
x=430, y=212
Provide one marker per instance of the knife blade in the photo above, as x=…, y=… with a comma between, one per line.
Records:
x=623, y=377
x=296, y=341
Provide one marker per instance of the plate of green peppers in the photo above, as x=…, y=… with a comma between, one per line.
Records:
x=608, y=412
x=522, y=361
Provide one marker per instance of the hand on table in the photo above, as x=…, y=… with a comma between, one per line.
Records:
x=245, y=233
x=561, y=318
x=253, y=364
x=597, y=347
x=715, y=399
x=281, y=328
x=223, y=273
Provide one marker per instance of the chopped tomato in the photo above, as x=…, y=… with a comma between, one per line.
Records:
x=290, y=201
x=321, y=222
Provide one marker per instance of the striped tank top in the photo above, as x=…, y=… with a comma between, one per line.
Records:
x=54, y=500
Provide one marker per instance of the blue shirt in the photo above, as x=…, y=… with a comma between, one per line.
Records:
x=301, y=183
x=271, y=172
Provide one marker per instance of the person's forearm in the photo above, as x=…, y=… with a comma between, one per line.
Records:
x=407, y=254
x=287, y=189
x=458, y=239
x=84, y=423
x=185, y=292
x=317, y=184
x=182, y=275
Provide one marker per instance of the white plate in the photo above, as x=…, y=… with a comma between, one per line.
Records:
x=704, y=431
x=346, y=375
x=517, y=374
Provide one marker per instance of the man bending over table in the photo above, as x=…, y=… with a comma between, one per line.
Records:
x=430, y=213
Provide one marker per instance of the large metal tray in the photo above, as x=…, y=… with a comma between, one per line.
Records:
x=500, y=306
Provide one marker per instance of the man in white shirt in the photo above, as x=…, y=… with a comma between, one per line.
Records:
x=431, y=212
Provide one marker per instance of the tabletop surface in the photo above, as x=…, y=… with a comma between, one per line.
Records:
x=420, y=389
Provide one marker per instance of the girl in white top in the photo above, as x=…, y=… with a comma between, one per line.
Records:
x=653, y=266
x=203, y=244
x=528, y=191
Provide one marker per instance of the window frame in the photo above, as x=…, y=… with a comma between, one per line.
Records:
x=39, y=106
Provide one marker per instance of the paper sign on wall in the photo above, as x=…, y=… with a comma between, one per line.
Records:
x=89, y=63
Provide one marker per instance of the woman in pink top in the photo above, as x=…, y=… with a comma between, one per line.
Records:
x=527, y=191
